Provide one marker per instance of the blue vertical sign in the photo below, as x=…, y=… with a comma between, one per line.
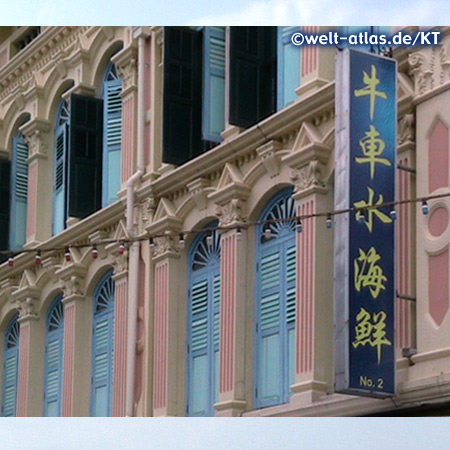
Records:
x=366, y=101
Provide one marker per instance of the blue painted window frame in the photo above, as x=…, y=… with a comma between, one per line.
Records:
x=54, y=351
x=288, y=66
x=60, y=167
x=205, y=280
x=282, y=246
x=19, y=193
x=103, y=312
x=112, y=134
x=213, y=93
x=10, y=353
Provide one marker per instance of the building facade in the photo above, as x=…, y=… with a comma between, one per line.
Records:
x=110, y=136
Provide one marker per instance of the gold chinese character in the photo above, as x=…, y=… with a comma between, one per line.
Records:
x=370, y=329
x=368, y=273
x=372, y=147
x=371, y=83
x=371, y=211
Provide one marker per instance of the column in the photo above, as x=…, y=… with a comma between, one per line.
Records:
x=233, y=275
x=40, y=181
x=169, y=295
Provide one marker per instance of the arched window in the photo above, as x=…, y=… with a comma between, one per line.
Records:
x=19, y=192
x=275, y=303
x=112, y=134
x=10, y=365
x=60, y=167
x=54, y=339
x=203, y=324
x=102, y=347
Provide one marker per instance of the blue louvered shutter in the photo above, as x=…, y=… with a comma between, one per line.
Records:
x=5, y=194
x=19, y=192
x=203, y=327
x=54, y=340
x=60, y=169
x=112, y=139
x=102, y=349
x=213, y=121
x=288, y=67
x=10, y=369
x=275, y=305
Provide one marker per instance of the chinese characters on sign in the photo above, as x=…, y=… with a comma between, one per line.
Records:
x=366, y=111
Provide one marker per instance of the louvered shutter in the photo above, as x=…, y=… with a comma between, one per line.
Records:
x=19, y=193
x=54, y=340
x=10, y=369
x=213, y=121
x=112, y=141
x=216, y=336
x=5, y=193
x=270, y=361
x=198, y=358
x=291, y=265
x=103, y=349
x=252, y=74
x=288, y=67
x=182, y=94
x=85, y=156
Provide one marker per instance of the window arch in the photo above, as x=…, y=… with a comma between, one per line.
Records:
x=275, y=303
x=112, y=134
x=103, y=347
x=53, y=371
x=10, y=368
x=203, y=324
x=19, y=192
x=60, y=167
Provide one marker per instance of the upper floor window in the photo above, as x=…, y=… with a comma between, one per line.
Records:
x=53, y=372
x=275, y=303
x=102, y=347
x=203, y=325
x=19, y=193
x=5, y=189
x=112, y=134
x=10, y=368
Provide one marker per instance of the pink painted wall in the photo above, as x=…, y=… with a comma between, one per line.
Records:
x=310, y=54
x=127, y=137
x=438, y=157
x=403, y=263
x=161, y=335
x=139, y=372
x=32, y=198
x=227, y=312
x=24, y=359
x=305, y=290
x=69, y=361
x=120, y=347
x=438, y=291
x=147, y=100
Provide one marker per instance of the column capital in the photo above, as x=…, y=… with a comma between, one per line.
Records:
x=72, y=277
x=35, y=132
x=126, y=63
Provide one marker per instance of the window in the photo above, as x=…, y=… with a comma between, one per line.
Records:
x=112, y=137
x=54, y=339
x=102, y=347
x=10, y=366
x=19, y=193
x=194, y=91
x=5, y=189
x=203, y=325
x=78, y=160
x=275, y=303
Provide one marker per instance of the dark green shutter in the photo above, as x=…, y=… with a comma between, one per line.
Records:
x=253, y=66
x=5, y=194
x=182, y=98
x=85, y=156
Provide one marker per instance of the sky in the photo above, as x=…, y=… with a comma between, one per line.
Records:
x=229, y=12
x=295, y=433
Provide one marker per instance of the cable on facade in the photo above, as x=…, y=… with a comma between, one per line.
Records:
x=266, y=224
